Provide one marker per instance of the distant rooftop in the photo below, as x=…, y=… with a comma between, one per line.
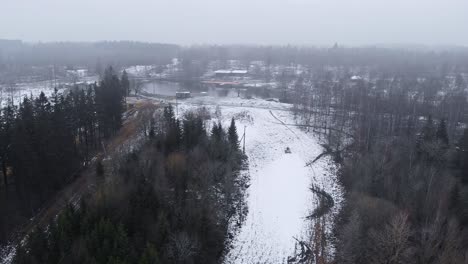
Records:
x=231, y=72
x=356, y=78
x=239, y=71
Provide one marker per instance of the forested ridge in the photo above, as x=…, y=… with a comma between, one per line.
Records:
x=45, y=142
x=169, y=202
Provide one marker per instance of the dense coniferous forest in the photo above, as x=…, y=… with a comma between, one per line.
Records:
x=45, y=142
x=169, y=202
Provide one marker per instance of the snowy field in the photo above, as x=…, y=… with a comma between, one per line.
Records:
x=279, y=197
x=20, y=90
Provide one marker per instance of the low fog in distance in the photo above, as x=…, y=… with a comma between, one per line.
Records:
x=302, y=22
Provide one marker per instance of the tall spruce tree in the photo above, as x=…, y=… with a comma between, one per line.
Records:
x=427, y=133
x=109, y=103
x=125, y=83
x=463, y=156
x=441, y=133
x=233, y=138
x=7, y=119
x=217, y=131
x=193, y=131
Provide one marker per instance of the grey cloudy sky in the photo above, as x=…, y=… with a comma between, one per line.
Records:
x=319, y=22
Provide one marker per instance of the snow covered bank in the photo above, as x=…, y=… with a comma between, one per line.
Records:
x=279, y=198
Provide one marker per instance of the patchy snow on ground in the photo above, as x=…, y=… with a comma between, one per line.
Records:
x=21, y=90
x=7, y=254
x=17, y=92
x=279, y=197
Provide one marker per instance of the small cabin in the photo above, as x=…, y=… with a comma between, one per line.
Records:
x=182, y=95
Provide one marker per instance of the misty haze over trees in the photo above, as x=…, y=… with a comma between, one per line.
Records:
x=99, y=166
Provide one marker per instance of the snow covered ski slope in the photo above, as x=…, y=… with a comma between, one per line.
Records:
x=279, y=197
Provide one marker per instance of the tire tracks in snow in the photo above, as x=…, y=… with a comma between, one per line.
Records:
x=279, y=120
x=325, y=204
x=326, y=200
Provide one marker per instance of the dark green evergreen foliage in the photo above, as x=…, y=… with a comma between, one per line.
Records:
x=107, y=242
x=232, y=135
x=193, y=131
x=172, y=207
x=173, y=133
x=463, y=206
x=219, y=146
x=44, y=142
x=217, y=132
x=7, y=119
x=168, y=113
x=125, y=83
x=99, y=168
x=110, y=98
x=150, y=255
x=462, y=159
x=441, y=133
x=37, y=245
x=427, y=133
x=463, y=143
x=432, y=143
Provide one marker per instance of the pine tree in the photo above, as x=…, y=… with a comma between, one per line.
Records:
x=463, y=156
x=22, y=256
x=233, y=138
x=219, y=149
x=110, y=103
x=425, y=140
x=216, y=132
x=464, y=207
x=173, y=135
x=193, y=131
x=463, y=143
x=25, y=163
x=149, y=256
x=427, y=133
x=441, y=133
x=168, y=114
x=7, y=119
x=125, y=83
x=99, y=168
x=37, y=245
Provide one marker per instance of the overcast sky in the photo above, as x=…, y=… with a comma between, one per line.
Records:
x=317, y=22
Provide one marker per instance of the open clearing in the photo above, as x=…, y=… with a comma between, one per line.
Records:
x=279, y=197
